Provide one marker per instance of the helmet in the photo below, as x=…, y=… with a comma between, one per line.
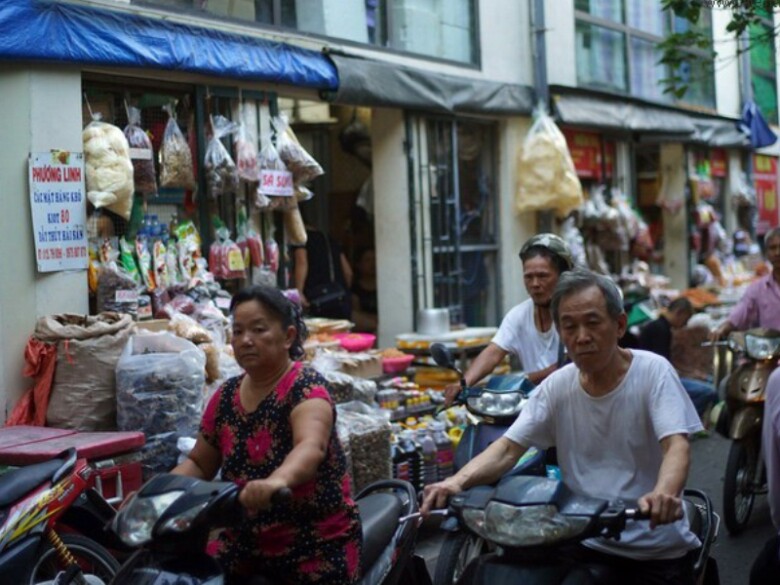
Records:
x=551, y=242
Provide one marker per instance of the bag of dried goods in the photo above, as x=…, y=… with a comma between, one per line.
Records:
x=369, y=434
x=275, y=188
x=83, y=394
x=160, y=264
x=108, y=169
x=221, y=171
x=176, y=170
x=145, y=262
x=246, y=153
x=298, y=161
x=546, y=178
x=231, y=259
x=141, y=154
x=159, y=390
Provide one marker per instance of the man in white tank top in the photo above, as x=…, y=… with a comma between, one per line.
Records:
x=527, y=330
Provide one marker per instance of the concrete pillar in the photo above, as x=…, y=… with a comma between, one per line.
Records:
x=41, y=111
x=676, y=257
x=393, y=245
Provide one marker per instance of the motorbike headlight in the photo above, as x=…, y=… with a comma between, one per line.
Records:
x=496, y=403
x=182, y=522
x=761, y=348
x=522, y=526
x=134, y=523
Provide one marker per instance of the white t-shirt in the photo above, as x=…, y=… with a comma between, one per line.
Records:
x=518, y=334
x=608, y=447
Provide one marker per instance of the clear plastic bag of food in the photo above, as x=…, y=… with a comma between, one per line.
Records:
x=221, y=171
x=145, y=262
x=160, y=263
x=108, y=168
x=298, y=161
x=230, y=258
x=141, y=154
x=276, y=187
x=127, y=260
x=246, y=154
x=176, y=168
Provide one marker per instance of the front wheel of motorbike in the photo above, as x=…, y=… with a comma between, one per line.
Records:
x=457, y=551
x=91, y=557
x=738, y=490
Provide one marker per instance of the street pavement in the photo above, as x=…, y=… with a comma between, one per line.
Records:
x=734, y=554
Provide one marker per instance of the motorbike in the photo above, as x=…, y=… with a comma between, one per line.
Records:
x=758, y=351
x=47, y=513
x=496, y=406
x=530, y=520
x=170, y=518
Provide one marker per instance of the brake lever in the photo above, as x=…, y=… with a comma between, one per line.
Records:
x=415, y=515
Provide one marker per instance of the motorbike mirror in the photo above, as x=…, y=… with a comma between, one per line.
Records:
x=442, y=356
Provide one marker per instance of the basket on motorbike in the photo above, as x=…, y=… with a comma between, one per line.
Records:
x=115, y=456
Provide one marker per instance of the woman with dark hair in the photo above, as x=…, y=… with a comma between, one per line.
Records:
x=272, y=428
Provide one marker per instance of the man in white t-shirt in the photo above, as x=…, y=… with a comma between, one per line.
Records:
x=527, y=330
x=620, y=420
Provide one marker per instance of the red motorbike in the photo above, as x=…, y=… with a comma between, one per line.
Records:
x=42, y=509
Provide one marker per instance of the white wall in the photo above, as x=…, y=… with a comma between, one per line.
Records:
x=727, y=82
x=560, y=42
x=43, y=109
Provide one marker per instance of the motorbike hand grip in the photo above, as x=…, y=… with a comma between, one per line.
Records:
x=281, y=495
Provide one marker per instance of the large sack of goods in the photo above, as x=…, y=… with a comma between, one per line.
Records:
x=160, y=380
x=546, y=178
x=109, y=169
x=83, y=394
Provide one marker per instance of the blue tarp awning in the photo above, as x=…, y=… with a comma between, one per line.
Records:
x=46, y=30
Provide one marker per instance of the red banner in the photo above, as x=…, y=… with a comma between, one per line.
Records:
x=585, y=149
x=718, y=162
x=765, y=181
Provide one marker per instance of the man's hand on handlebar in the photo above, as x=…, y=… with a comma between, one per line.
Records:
x=436, y=495
x=662, y=508
x=451, y=392
x=721, y=332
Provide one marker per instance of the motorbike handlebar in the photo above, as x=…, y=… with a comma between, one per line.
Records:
x=282, y=495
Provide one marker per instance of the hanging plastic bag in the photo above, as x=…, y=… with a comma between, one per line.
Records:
x=298, y=161
x=141, y=153
x=276, y=188
x=108, y=168
x=127, y=260
x=216, y=258
x=546, y=178
x=246, y=154
x=160, y=264
x=145, y=264
x=231, y=258
x=172, y=261
x=176, y=170
x=221, y=171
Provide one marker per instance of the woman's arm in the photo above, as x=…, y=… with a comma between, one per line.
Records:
x=312, y=423
x=363, y=321
x=203, y=462
x=300, y=272
x=346, y=270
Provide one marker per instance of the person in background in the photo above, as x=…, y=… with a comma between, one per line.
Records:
x=620, y=420
x=364, y=302
x=272, y=428
x=766, y=568
x=527, y=330
x=656, y=336
x=760, y=305
x=320, y=266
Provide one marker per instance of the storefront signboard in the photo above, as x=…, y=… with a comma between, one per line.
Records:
x=59, y=212
x=765, y=181
x=585, y=149
x=718, y=163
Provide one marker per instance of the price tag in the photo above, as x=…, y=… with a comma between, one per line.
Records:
x=223, y=303
x=140, y=154
x=126, y=296
x=276, y=183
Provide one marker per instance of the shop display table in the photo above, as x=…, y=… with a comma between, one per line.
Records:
x=463, y=343
x=115, y=456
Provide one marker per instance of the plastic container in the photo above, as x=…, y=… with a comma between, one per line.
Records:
x=396, y=365
x=430, y=471
x=355, y=341
x=413, y=453
x=445, y=453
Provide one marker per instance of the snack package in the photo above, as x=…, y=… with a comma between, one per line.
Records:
x=246, y=154
x=145, y=265
x=228, y=259
x=172, y=261
x=298, y=161
x=176, y=168
x=546, y=178
x=116, y=290
x=141, y=154
x=108, y=168
x=127, y=260
x=160, y=263
x=216, y=262
x=276, y=186
x=255, y=245
x=221, y=171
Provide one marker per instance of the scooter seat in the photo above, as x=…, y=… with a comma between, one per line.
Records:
x=379, y=513
x=17, y=483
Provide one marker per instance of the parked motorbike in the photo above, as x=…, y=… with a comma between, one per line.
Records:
x=42, y=506
x=757, y=351
x=171, y=516
x=532, y=518
x=495, y=406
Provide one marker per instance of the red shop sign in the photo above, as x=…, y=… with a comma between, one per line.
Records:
x=585, y=149
x=718, y=162
x=765, y=181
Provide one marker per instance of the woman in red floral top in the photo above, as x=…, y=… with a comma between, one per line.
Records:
x=271, y=428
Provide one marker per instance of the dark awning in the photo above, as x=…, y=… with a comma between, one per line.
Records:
x=366, y=82
x=61, y=32
x=651, y=122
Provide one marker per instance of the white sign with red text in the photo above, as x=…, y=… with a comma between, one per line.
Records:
x=276, y=183
x=59, y=211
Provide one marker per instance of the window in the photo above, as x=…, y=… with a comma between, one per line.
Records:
x=617, y=50
x=444, y=29
x=454, y=221
x=762, y=66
